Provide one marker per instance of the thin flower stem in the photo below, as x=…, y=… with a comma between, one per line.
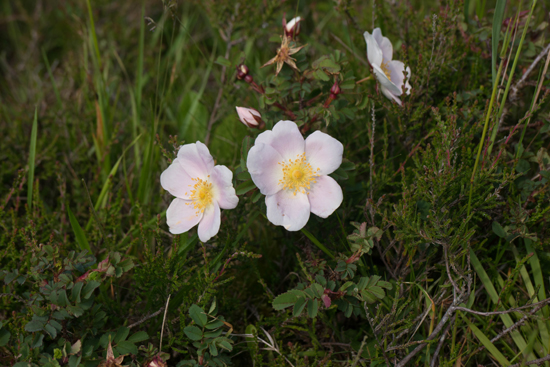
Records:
x=487, y=118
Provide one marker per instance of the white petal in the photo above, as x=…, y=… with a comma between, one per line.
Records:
x=323, y=152
x=325, y=197
x=291, y=24
x=263, y=165
x=384, y=44
x=288, y=210
x=287, y=139
x=390, y=95
x=210, y=223
x=224, y=192
x=181, y=216
x=176, y=181
x=384, y=81
x=196, y=160
x=264, y=138
x=246, y=115
x=374, y=53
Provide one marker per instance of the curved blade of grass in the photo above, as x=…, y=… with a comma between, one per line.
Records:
x=487, y=343
x=317, y=243
x=55, y=90
x=78, y=232
x=497, y=23
x=32, y=158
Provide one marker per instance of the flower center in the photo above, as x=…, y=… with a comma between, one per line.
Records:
x=385, y=68
x=201, y=195
x=298, y=175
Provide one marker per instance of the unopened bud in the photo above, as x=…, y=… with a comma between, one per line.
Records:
x=157, y=361
x=250, y=117
x=249, y=79
x=242, y=71
x=335, y=89
x=292, y=28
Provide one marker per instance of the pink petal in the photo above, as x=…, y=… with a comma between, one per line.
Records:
x=374, y=52
x=221, y=178
x=263, y=165
x=288, y=210
x=210, y=223
x=390, y=95
x=196, y=160
x=384, y=81
x=384, y=44
x=176, y=181
x=287, y=139
x=181, y=216
x=325, y=196
x=323, y=152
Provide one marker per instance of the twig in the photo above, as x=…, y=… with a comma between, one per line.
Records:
x=534, y=361
x=358, y=356
x=541, y=304
x=163, y=321
x=519, y=84
x=440, y=344
x=146, y=318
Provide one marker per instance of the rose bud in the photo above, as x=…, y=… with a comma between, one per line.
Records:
x=292, y=28
x=242, y=71
x=250, y=117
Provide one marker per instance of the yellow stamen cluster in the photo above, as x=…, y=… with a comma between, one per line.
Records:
x=298, y=175
x=201, y=195
x=385, y=68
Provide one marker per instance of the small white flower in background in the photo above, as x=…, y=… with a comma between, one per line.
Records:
x=292, y=28
x=250, y=117
x=292, y=173
x=390, y=73
x=200, y=188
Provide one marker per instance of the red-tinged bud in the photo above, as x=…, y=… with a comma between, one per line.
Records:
x=250, y=117
x=248, y=79
x=292, y=28
x=242, y=71
x=335, y=89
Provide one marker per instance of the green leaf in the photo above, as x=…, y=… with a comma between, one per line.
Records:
x=213, y=349
x=213, y=334
x=138, y=337
x=126, y=347
x=121, y=334
x=89, y=288
x=4, y=336
x=287, y=299
x=312, y=307
x=214, y=324
x=499, y=231
x=487, y=343
x=78, y=232
x=224, y=344
x=223, y=61
x=198, y=315
x=51, y=331
x=299, y=306
x=34, y=325
x=318, y=290
x=74, y=361
x=75, y=292
x=193, y=332
x=245, y=187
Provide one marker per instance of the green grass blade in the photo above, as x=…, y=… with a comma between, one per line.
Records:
x=497, y=23
x=78, y=232
x=487, y=343
x=32, y=158
x=317, y=243
x=94, y=35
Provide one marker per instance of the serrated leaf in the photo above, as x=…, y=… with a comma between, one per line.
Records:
x=51, y=331
x=121, y=334
x=34, y=325
x=4, y=336
x=89, y=288
x=213, y=334
x=138, y=337
x=198, y=315
x=225, y=345
x=126, y=347
x=299, y=306
x=75, y=292
x=193, y=332
x=213, y=349
x=318, y=290
x=214, y=324
x=287, y=299
x=312, y=307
